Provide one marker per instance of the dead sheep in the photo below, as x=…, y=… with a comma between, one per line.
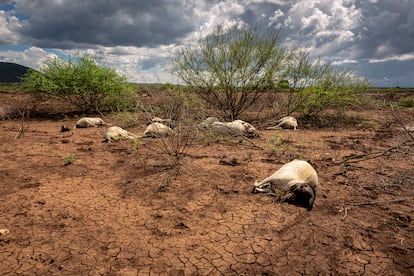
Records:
x=235, y=128
x=295, y=183
x=208, y=122
x=156, y=130
x=287, y=122
x=90, y=122
x=168, y=122
x=115, y=133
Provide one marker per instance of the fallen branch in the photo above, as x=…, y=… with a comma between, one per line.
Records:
x=407, y=132
x=240, y=135
x=373, y=155
x=19, y=133
x=381, y=202
x=251, y=142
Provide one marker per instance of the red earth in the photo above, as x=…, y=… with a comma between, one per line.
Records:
x=73, y=205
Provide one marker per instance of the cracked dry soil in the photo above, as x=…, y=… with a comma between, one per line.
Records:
x=119, y=209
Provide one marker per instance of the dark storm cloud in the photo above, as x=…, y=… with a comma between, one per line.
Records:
x=258, y=14
x=386, y=74
x=371, y=36
x=67, y=24
x=386, y=28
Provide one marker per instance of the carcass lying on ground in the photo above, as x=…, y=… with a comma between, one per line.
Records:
x=235, y=128
x=115, y=133
x=90, y=122
x=156, y=130
x=288, y=122
x=168, y=122
x=295, y=182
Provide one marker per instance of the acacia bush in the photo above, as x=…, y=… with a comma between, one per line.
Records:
x=83, y=82
x=317, y=86
x=184, y=109
x=231, y=68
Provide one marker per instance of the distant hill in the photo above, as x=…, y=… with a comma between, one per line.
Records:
x=11, y=72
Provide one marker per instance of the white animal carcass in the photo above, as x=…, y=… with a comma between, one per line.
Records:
x=115, y=133
x=156, y=130
x=168, y=122
x=295, y=182
x=90, y=122
x=288, y=122
x=235, y=128
x=208, y=122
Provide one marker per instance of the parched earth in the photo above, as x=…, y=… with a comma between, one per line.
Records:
x=72, y=205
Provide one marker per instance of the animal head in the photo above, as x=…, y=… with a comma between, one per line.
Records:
x=250, y=130
x=168, y=122
x=303, y=195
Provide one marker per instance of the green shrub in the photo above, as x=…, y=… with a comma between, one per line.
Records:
x=317, y=86
x=83, y=82
x=231, y=68
x=314, y=100
x=68, y=160
x=406, y=101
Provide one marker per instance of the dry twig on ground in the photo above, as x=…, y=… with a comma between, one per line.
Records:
x=381, y=202
x=373, y=155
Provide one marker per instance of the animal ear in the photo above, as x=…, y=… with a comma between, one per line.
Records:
x=311, y=199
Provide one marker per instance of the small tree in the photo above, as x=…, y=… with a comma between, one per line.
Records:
x=231, y=68
x=82, y=82
x=317, y=86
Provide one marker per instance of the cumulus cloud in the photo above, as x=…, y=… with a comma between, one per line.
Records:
x=138, y=36
x=9, y=26
x=31, y=57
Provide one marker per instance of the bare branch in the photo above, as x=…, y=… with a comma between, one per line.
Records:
x=373, y=155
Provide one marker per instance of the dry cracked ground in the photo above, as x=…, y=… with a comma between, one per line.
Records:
x=72, y=205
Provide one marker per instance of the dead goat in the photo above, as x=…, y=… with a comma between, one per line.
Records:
x=90, y=122
x=295, y=183
x=287, y=122
x=235, y=128
x=156, y=130
x=115, y=133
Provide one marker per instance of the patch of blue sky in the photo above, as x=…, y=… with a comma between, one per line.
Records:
x=11, y=8
x=8, y=7
x=18, y=47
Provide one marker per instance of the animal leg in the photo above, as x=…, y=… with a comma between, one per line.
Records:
x=263, y=190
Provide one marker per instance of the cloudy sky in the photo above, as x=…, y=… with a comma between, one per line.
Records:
x=373, y=37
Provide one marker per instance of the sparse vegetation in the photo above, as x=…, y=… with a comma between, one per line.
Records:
x=182, y=109
x=128, y=118
x=406, y=101
x=11, y=87
x=70, y=159
x=279, y=143
x=136, y=144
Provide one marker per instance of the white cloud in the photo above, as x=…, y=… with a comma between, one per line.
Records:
x=137, y=37
x=31, y=57
x=9, y=26
x=276, y=16
x=403, y=57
